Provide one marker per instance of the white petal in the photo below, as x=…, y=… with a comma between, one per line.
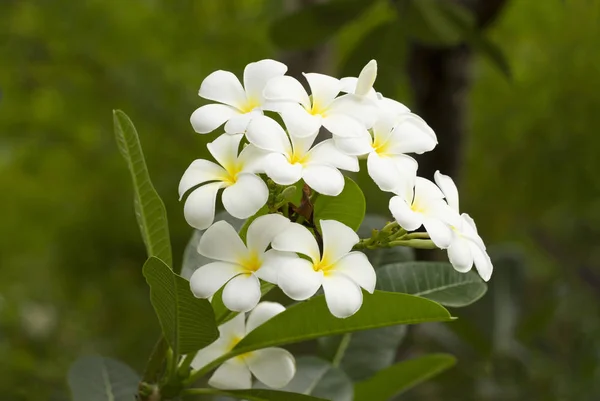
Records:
x=298, y=280
x=273, y=262
x=323, y=89
x=448, y=188
x=343, y=126
x=327, y=153
x=361, y=108
x=459, y=254
x=360, y=145
x=224, y=87
x=391, y=106
x=300, y=122
x=252, y=159
x=404, y=215
x=210, y=117
x=208, y=279
x=426, y=191
x=266, y=133
x=482, y=261
x=275, y=367
x=233, y=330
x=256, y=76
x=246, y=196
x=286, y=88
x=208, y=354
x=199, y=208
x=412, y=135
x=297, y=238
x=407, y=166
x=200, y=171
x=366, y=78
x=382, y=129
x=383, y=171
x=239, y=123
x=343, y=296
x=338, y=240
x=225, y=149
x=263, y=312
x=439, y=232
x=279, y=169
x=242, y=293
x=356, y=266
x=262, y=231
x=349, y=84
x=302, y=144
x=324, y=179
x=222, y=242
x=232, y=375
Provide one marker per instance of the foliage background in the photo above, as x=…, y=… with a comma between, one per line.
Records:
x=70, y=251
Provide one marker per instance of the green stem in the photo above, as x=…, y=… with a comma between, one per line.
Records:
x=155, y=361
x=415, y=236
x=184, y=366
x=414, y=243
x=342, y=347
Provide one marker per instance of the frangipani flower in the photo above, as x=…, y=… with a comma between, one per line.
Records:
x=341, y=272
x=241, y=104
x=244, y=192
x=345, y=116
x=293, y=159
x=424, y=205
x=467, y=247
x=275, y=367
x=238, y=266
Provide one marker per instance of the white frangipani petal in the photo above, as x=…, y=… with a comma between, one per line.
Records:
x=299, y=280
x=239, y=123
x=251, y=159
x=482, y=262
x=263, y=312
x=199, y=208
x=286, y=88
x=299, y=121
x=459, y=253
x=266, y=133
x=404, y=215
x=242, y=293
x=232, y=375
x=246, y=196
x=383, y=171
x=449, y=189
x=262, y=231
x=338, y=240
x=274, y=367
x=439, y=232
x=233, y=330
x=323, y=90
x=343, y=125
x=343, y=295
x=366, y=79
x=258, y=74
x=324, y=179
x=223, y=87
x=210, y=117
x=222, y=242
x=199, y=172
x=225, y=150
x=327, y=153
x=280, y=170
x=273, y=261
x=362, y=109
x=297, y=238
x=210, y=353
x=412, y=135
x=356, y=265
x=357, y=146
x=208, y=279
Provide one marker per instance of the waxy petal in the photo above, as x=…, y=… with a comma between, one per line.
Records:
x=323, y=89
x=210, y=353
x=266, y=133
x=252, y=159
x=297, y=238
x=459, y=254
x=199, y=208
x=225, y=150
x=356, y=265
x=222, y=242
x=324, y=179
x=199, y=172
x=412, y=135
x=343, y=126
x=242, y=293
x=231, y=375
x=262, y=231
x=446, y=184
x=338, y=240
x=439, y=232
x=246, y=196
x=279, y=169
x=299, y=122
x=404, y=215
x=223, y=87
x=366, y=79
x=258, y=74
x=357, y=146
x=286, y=88
x=482, y=261
x=343, y=295
x=273, y=262
x=238, y=124
x=208, y=279
x=263, y=312
x=327, y=153
x=298, y=280
x=274, y=367
x=210, y=117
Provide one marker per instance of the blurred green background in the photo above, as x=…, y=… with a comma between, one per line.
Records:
x=70, y=250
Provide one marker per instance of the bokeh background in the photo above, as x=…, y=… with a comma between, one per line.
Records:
x=512, y=89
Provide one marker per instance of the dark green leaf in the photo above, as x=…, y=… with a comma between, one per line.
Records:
x=348, y=207
x=401, y=377
x=188, y=323
x=94, y=378
x=367, y=352
x=312, y=25
x=437, y=281
x=311, y=319
x=261, y=395
x=149, y=208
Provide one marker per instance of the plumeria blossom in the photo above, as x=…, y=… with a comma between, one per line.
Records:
x=239, y=266
x=344, y=116
x=274, y=367
x=237, y=105
x=339, y=271
x=244, y=192
x=292, y=158
x=467, y=247
x=423, y=205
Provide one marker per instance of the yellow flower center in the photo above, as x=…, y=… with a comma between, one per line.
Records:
x=298, y=158
x=233, y=169
x=380, y=147
x=250, y=105
x=317, y=109
x=252, y=262
x=323, y=265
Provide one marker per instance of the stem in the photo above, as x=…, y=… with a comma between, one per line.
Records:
x=414, y=243
x=415, y=236
x=184, y=366
x=342, y=347
x=197, y=391
x=155, y=361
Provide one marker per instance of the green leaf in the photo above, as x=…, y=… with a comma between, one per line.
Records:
x=367, y=352
x=258, y=395
x=383, y=256
x=94, y=378
x=319, y=378
x=149, y=208
x=314, y=24
x=188, y=323
x=437, y=281
x=348, y=207
x=311, y=319
x=401, y=377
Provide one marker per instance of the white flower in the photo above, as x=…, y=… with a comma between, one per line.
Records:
x=341, y=272
x=239, y=265
x=293, y=159
x=244, y=192
x=467, y=247
x=345, y=116
x=424, y=205
x=275, y=367
x=241, y=104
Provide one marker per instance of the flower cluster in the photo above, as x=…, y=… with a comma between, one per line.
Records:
x=270, y=140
